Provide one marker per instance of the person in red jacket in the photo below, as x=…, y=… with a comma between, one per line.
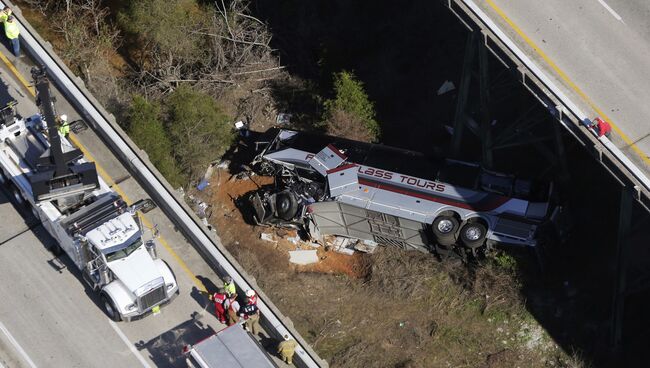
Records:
x=218, y=298
x=602, y=127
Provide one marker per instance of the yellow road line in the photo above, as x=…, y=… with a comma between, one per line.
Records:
x=13, y=69
x=107, y=178
x=568, y=81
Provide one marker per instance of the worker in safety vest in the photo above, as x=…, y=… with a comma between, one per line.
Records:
x=229, y=286
x=251, y=314
x=219, y=298
x=12, y=32
x=4, y=14
x=64, y=126
x=287, y=348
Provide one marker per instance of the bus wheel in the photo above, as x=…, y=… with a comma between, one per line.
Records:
x=286, y=205
x=444, y=228
x=472, y=234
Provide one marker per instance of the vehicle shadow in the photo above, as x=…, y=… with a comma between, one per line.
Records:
x=166, y=349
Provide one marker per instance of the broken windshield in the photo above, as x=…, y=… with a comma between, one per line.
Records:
x=124, y=252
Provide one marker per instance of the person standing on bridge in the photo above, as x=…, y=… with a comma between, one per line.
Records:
x=12, y=32
x=252, y=296
x=231, y=305
x=229, y=286
x=219, y=298
x=287, y=348
x=64, y=126
x=251, y=314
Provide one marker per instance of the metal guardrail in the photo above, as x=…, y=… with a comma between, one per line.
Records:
x=104, y=124
x=561, y=106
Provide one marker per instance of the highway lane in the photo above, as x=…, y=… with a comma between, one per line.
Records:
x=48, y=318
x=45, y=309
x=602, y=47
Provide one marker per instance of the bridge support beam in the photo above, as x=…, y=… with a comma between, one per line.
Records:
x=463, y=94
x=622, y=258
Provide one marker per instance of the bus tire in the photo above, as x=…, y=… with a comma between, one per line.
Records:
x=472, y=234
x=286, y=205
x=109, y=308
x=444, y=228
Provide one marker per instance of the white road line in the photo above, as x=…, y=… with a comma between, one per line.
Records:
x=17, y=346
x=610, y=10
x=129, y=344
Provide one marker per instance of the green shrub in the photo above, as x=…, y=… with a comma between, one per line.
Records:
x=146, y=129
x=351, y=99
x=199, y=130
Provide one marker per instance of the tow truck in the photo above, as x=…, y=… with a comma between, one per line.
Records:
x=91, y=223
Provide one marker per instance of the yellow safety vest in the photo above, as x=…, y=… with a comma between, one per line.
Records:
x=64, y=129
x=4, y=15
x=230, y=288
x=11, y=30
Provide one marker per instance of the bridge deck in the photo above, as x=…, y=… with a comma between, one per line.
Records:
x=597, y=53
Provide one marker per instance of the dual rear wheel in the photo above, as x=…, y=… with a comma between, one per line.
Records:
x=446, y=230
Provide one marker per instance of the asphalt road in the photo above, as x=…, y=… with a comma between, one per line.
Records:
x=48, y=318
x=603, y=47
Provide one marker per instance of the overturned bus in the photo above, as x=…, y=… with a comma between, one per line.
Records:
x=334, y=186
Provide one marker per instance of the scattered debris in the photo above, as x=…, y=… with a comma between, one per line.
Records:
x=223, y=164
x=294, y=240
x=366, y=246
x=347, y=251
x=240, y=125
x=303, y=257
x=283, y=118
x=446, y=87
x=342, y=244
x=201, y=210
x=203, y=184
x=268, y=237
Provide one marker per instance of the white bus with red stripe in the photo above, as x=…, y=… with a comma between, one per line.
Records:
x=403, y=198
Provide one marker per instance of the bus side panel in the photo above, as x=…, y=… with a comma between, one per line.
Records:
x=334, y=218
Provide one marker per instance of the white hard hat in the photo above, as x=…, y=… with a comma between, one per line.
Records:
x=63, y=117
x=250, y=292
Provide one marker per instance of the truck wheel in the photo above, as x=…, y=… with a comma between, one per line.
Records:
x=472, y=234
x=110, y=310
x=18, y=196
x=286, y=205
x=444, y=228
x=56, y=250
x=3, y=178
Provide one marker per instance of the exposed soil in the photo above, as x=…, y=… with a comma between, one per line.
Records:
x=405, y=307
x=223, y=191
